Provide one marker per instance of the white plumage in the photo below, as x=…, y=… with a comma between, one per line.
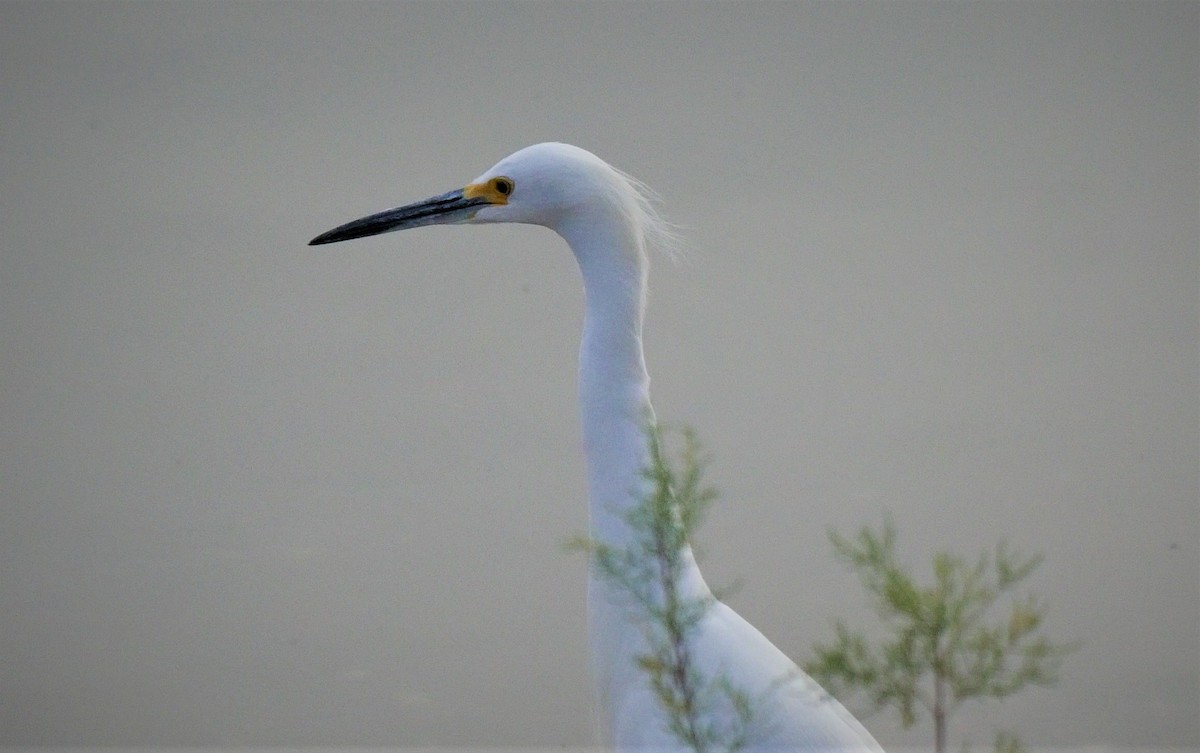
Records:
x=606, y=220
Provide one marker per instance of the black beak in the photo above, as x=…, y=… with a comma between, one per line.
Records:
x=446, y=209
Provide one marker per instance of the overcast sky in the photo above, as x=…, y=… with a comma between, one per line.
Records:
x=943, y=261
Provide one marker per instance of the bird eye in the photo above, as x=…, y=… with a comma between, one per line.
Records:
x=503, y=186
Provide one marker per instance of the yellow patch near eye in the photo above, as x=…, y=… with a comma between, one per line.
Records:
x=494, y=191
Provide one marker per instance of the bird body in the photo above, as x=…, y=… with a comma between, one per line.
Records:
x=608, y=221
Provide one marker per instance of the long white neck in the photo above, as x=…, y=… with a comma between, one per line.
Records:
x=614, y=388
x=614, y=400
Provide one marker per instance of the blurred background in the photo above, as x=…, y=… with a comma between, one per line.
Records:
x=942, y=261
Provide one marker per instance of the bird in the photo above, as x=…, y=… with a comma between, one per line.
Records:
x=609, y=220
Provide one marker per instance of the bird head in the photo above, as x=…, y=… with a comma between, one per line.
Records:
x=544, y=184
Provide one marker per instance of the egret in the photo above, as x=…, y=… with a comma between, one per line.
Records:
x=608, y=221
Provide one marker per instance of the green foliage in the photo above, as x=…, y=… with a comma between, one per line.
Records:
x=1006, y=742
x=944, y=645
x=705, y=713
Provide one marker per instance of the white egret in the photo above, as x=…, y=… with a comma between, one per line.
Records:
x=606, y=219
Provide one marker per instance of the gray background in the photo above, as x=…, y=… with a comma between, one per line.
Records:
x=942, y=261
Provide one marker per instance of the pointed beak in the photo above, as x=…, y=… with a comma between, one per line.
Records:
x=446, y=209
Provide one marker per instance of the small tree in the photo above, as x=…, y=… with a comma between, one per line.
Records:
x=708, y=714
x=943, y=646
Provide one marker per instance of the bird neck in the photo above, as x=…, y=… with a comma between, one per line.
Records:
x=614, y=388
x=614, y=403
